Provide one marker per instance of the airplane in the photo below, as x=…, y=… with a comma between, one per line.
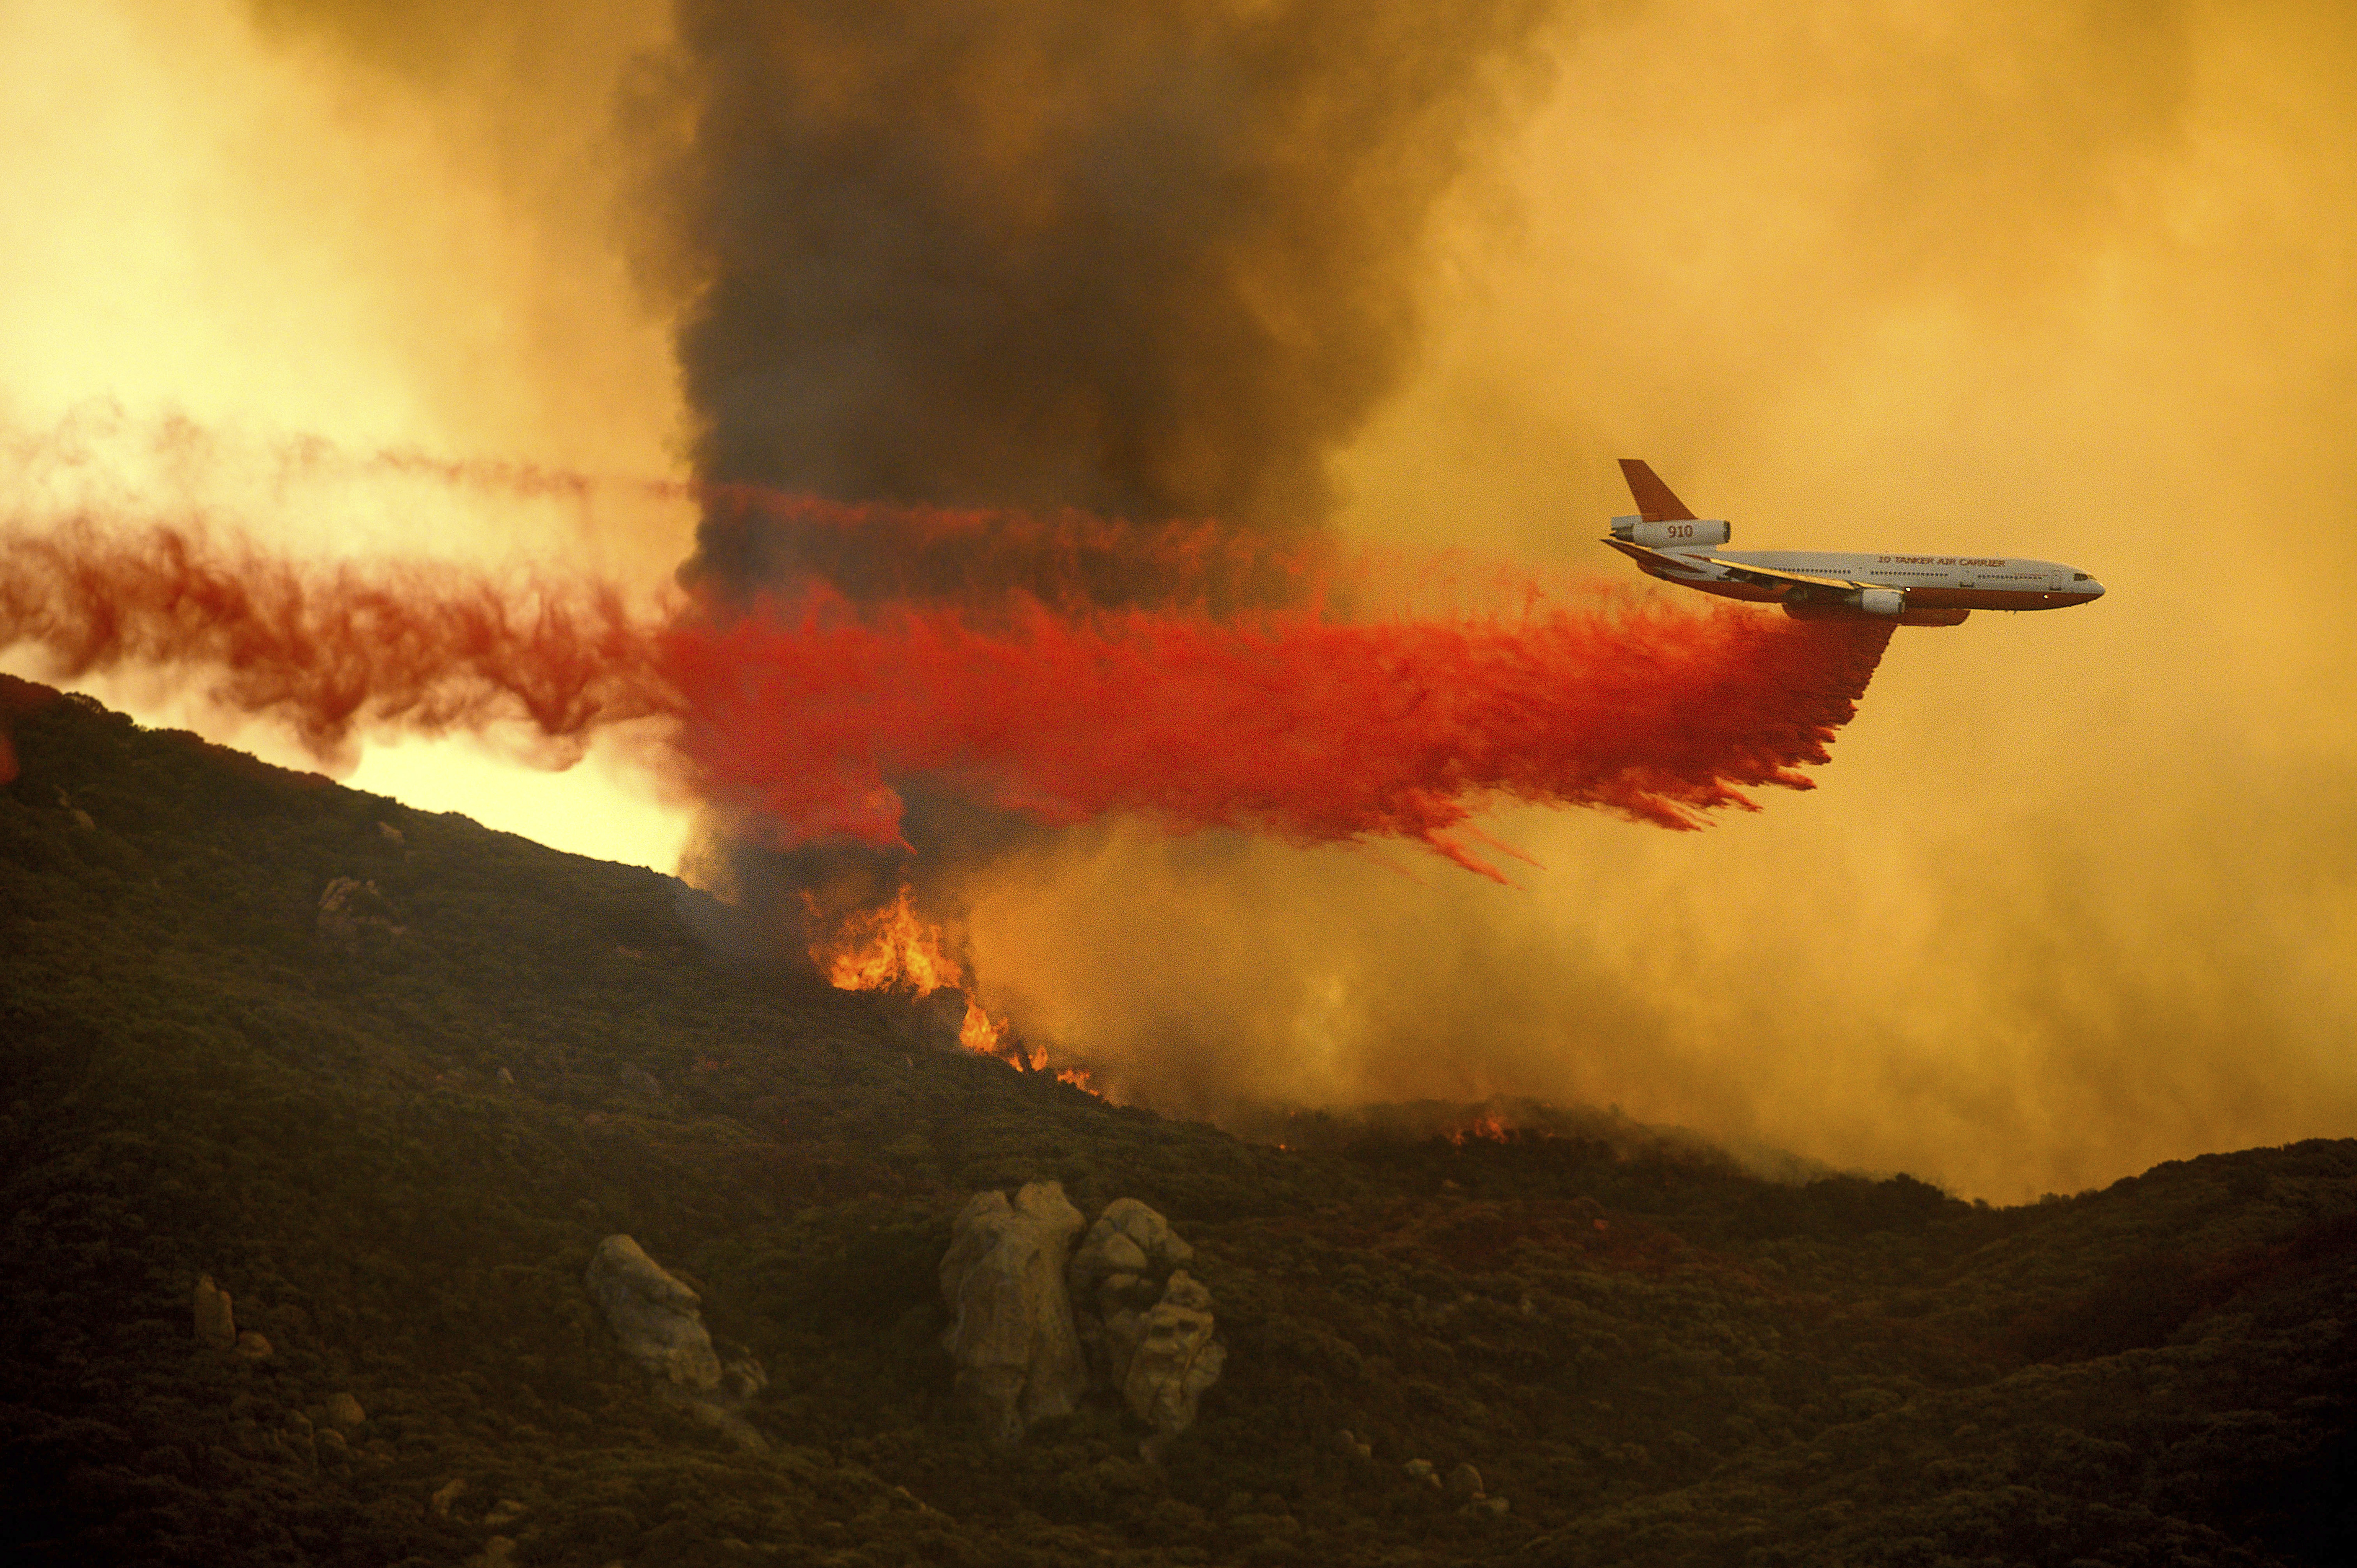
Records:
x=1668, y=542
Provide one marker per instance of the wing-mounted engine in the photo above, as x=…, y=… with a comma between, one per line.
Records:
x=1672, y=533
x=1871, y=603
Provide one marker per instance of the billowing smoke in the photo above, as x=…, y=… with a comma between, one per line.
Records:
x=1154, y=264
x=1151, y=261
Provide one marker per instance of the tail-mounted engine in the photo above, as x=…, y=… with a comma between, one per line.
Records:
x=1681, y=533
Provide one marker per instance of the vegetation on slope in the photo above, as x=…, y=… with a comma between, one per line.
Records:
x=396, y=1135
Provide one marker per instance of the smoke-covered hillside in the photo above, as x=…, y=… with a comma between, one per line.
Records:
x=389, y=1078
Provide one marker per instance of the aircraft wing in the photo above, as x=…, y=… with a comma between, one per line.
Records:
x=1770, y=575
x=1642, y=554
x=1766, y=576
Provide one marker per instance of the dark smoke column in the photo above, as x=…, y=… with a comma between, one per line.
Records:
x=1153, y=261
x=1150, y=260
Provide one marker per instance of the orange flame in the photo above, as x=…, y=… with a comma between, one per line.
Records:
x=896, y=949
x=1491, y=1128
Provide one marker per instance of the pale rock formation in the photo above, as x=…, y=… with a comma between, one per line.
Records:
x=349, y=908
x=1011, y=1331
x=253, y=1347
x=657, y=1320
x=1174, y=1357
x=1115, y=1276
x=216, y=1324
x=660, y=1322
x=1127, y=1239
x=1146, y=1322
x=344, y=1412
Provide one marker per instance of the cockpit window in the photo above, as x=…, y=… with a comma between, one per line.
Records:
x=2078, y=576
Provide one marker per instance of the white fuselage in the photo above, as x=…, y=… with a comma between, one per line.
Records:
x=1930, y=582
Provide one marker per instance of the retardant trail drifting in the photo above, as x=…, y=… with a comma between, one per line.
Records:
x=1308, y=730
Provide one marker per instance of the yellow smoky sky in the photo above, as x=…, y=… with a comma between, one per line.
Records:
x=276, y=224
x=2079, y=891
x=2073, y=280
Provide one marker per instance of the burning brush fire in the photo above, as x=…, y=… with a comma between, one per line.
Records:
x=896, y=949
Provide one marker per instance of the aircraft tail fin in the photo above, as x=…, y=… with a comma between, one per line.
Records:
x=1654, y=501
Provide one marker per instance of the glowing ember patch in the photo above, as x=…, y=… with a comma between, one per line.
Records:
x=1489, y=1128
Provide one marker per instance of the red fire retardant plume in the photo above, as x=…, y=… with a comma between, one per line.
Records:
x=1308, y=730
x=329, y=652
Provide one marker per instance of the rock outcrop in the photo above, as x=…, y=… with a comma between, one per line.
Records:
x=1146, y=1322
x=350, y=908
x=1030, y=1327
x=659, y=1320
x=216, y=1324
x=1011, y=1328
x=1172, y=1358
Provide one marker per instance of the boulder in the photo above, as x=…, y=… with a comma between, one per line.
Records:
x=344, y=1413
x=350, y=908
x=1465, y=1482
x=1011, y=1321
x=253, y=1347
x=1173, y=1357
x=1146, y=1324
x=216, y=1324
x=657, y=1320
x=1128, y=1239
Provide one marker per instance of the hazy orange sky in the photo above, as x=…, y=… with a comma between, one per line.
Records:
x=2079, y=891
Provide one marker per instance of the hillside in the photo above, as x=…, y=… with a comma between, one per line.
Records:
x=395, y=1135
